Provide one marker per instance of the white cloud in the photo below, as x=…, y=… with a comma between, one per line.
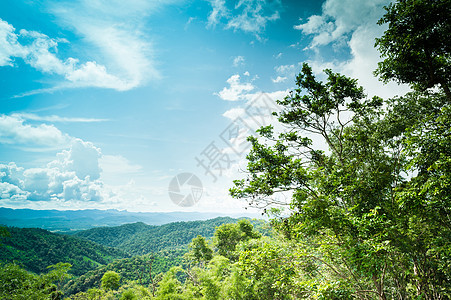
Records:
x=351, y=23
x=284, y=69
x=54, y=118
x=13, y=130
x=11, y=191
x=40, y=51
x=190, y=20
x=279, y=79
x=284, y=72
x=9, y=46
x=82, y=158
x=250, y=16
x=115, y=29
x=236, y=90
x=341, y=17
x=120, y=55
x=238, y=61
x=73, y=175
x=234, y=113
x=219, y=10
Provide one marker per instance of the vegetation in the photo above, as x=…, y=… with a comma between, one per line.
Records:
x=35, y=249
x=17, y=283
x=416, y=44
x=373, y=212
x=137, y=268
x=139, y=238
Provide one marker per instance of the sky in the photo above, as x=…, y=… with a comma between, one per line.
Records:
x=145, y=105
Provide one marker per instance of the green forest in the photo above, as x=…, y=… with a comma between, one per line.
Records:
x=368, y=219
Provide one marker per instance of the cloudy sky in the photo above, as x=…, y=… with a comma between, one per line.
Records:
x=103, y=102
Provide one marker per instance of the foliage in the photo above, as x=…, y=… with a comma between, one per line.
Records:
x=36, y=249
x=139, y=238
x=137, y=267
x=130, y=269
x=128, y=291
x=416, y=44
x=17, y=283
x=4, y=233
x=110, y=280
x=171, y=288
x=227, y=236
x=375, y=207
x=199, y=251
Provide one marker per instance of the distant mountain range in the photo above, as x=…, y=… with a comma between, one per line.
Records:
x=73, y=220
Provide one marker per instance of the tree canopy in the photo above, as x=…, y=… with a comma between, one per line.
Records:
x=373, y=208
x=416, y=44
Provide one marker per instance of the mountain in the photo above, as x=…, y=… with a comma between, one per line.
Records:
x=140, y=238
x=36, y=249
x=69, y=220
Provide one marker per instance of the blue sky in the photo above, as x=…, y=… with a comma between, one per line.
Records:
x=103, y=102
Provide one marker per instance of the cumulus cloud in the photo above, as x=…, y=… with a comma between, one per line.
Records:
x=341, y=17
x=12, y=192
x=79, y=177
x=13, y=130
x=82, y=159
x=351, y=23
x=284, y=72
x=255, y=109
x=236, y=90
x=72, y=176
x=250, y=16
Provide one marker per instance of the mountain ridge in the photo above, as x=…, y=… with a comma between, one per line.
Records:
x=75, y=220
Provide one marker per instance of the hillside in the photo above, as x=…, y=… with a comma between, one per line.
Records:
x=72, y=220
x=36, y=249
x=139, y=238
x=130, y=269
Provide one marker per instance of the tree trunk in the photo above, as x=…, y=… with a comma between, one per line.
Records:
x=379, y=288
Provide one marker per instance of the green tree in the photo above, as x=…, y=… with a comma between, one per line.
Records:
x=111, y=280
x=171, y=288
x=59, y=273
x=425, y=202
x=17, y=283
x=375, y=230
x=227, y=236
x=270, y=267
x=416, y=44
x=4, y=233
x=199, y=251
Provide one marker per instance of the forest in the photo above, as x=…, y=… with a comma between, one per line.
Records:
x=368, y=219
